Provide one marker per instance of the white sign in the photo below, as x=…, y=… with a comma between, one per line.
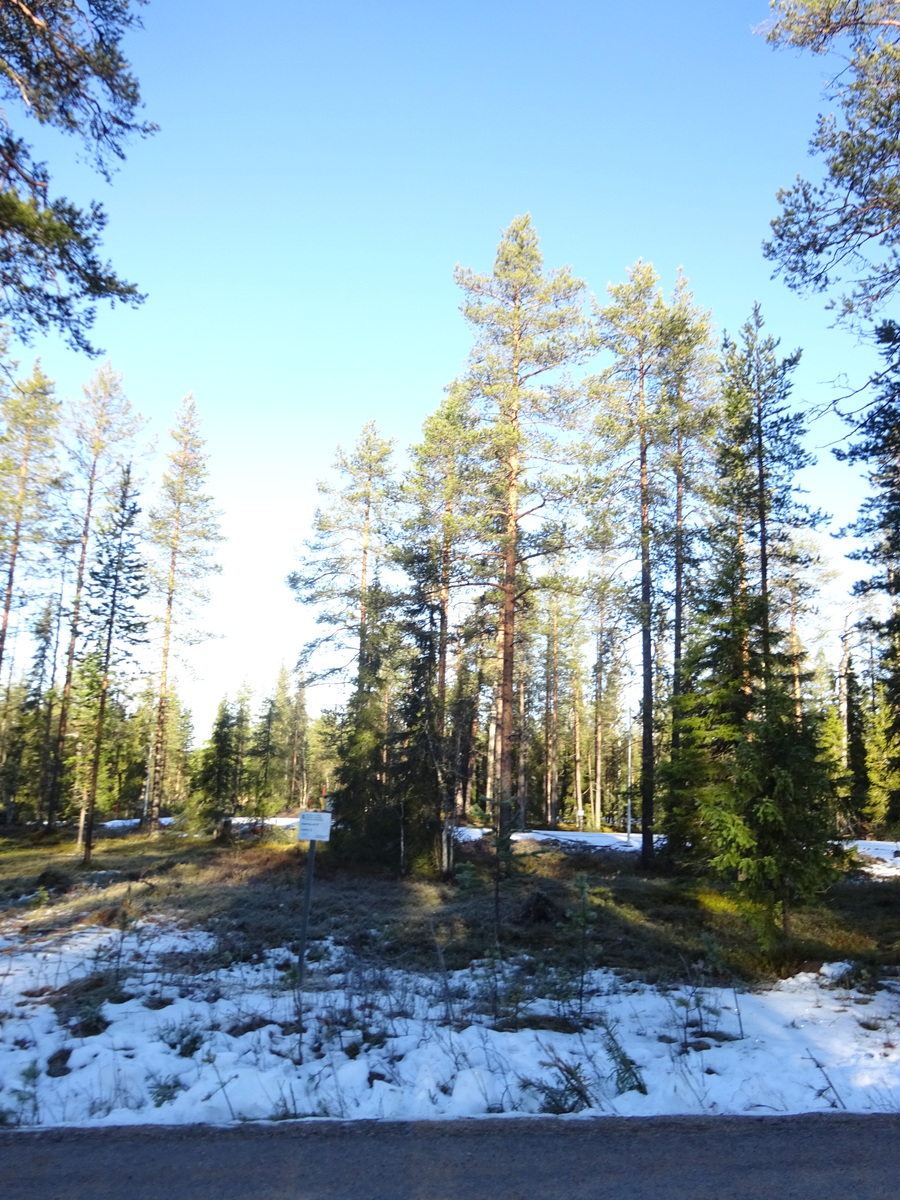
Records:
x=314, y=827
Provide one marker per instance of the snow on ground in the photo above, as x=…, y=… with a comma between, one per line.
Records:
x=603, y=841
x=131, y=823
x=881, y=859
x=105, y=1026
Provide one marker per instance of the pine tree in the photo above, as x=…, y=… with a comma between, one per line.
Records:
x=29, y=479
x=633, y=327
x=442, y=528
x=101, y=430
x=184, y=530
x=62, y=64
x=118, y=582
x=687, y=373
x=529, y=326
x=844, y=226
x=342, y=556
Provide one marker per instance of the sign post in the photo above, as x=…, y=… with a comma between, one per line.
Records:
x=312, y=827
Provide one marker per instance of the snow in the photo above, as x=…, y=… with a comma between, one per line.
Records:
x=173, y=1040
x=601, y=841
x=132, y=823
x=881, y=859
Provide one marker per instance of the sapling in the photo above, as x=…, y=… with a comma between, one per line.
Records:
x=627, y=1075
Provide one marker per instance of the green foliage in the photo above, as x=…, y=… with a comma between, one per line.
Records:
x=627, y=1074
x=845, y=229
x=215, y=782
x=63, y=65
x=750, y=792
x=877, y=446
x=770, y=821
x=348, y=538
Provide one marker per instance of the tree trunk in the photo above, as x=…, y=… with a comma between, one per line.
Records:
x=598, y=736
x=843, y=697
x=762, y=508
x=59, y=756
x=576, y=718
x=159, y=740
x=508, y=590
x=553, y=746
x=647, y=763
x=522, y=787
x=678, y=604
x=15, y=543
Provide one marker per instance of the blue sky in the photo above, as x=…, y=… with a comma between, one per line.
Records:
x=320, y=169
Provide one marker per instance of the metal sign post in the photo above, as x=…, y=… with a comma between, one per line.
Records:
x=312, y=827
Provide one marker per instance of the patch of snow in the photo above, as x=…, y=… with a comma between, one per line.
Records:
x=470, y=833
x=187, y=1043
x=132, y=823
x=880, y=859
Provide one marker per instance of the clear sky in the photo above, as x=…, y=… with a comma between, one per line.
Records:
x=321, y=168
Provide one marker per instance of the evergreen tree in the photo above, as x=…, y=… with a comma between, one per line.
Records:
x=438, y=540
x=878, y=448
x=215, y=781
x=29, y=479
x=368, y=808
x=62, y=63
x=529, y=326
x=101, y=429
x=343, y=555
x=184, y=530
x=845, y=227
x=270, y=751
x=299, y=755
x=118, y=582
x=687, y=371
x=749, y=787
x=857, y=767
x=633, y=328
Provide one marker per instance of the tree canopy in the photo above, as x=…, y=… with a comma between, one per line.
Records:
x=844, y=231
x=61, y=62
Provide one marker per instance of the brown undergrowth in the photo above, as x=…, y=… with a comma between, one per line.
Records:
x=558, y=908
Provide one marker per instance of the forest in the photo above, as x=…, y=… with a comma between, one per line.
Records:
x=604, y=505
x=587, y=595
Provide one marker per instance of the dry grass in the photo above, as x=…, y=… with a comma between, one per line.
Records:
x=648, y=926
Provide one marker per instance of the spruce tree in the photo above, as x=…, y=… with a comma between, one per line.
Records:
x=117, y=583
x=101, y=429
x=215, y=780
x=877, y=446
x=750, y=791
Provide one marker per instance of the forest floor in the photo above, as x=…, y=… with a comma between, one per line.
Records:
x=161, y=986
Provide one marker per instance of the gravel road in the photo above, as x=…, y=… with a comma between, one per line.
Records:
x=822, y=1157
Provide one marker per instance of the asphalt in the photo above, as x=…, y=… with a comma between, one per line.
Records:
x=818, y=1157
